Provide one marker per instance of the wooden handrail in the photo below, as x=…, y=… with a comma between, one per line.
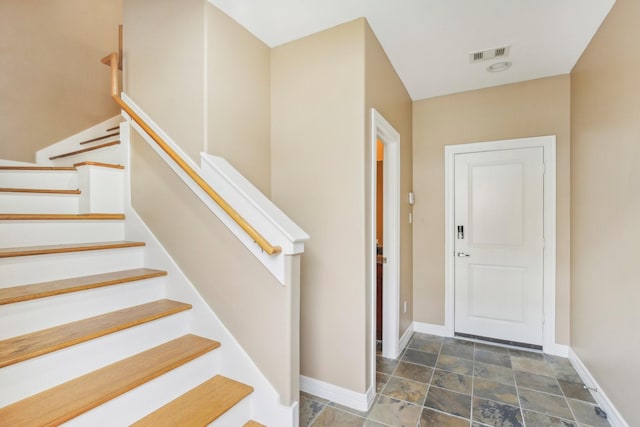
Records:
x=112, y=61
x=99, y=138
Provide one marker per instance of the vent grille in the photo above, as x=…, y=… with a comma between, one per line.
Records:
x=485, y=55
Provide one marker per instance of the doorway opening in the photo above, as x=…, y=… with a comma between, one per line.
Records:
x=384, y=247
x=380, y=259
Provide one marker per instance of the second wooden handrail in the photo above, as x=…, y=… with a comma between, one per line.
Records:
x=112, y=61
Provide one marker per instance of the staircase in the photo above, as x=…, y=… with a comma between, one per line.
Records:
x=87, y=335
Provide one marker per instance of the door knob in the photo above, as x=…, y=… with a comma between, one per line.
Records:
x=462, y=254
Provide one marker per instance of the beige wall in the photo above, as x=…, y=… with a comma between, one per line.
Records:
x=533, y=108
x=211, y=257
x=386, y=93
x=239, y=96
x=211, y=96
x=323, y=87
x=317, y=178
x=605, y=207
x=52, y=83
x=164, y=66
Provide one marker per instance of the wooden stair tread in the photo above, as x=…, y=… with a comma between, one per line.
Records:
x=59, y=287
x=60, y=217
x=24, y=347
x=38, y=190
x=66, y=401
x=104, y=165
x=199, y=406
x=85, y=150
x=252, y=423
x=37, y=168
x=73, y=247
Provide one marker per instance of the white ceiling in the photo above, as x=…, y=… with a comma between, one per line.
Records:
x=429, y=41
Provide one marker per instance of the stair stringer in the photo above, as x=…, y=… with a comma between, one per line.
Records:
x=236, y=363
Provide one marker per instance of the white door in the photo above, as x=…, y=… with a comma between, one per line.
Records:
x=499, y=244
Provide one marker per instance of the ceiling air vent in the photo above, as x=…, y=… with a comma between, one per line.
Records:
x=485, y=55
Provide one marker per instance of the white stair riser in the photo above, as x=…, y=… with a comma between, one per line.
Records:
x=42, y=180
x=112, y=154
x=39, y=203
x=29, y=316
x=58, y=232
x=41, y=373
x=236, y=416
x=25, y=270
x=102, y=189
x=134, y=405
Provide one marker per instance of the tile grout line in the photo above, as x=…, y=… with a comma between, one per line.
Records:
x=348, y=413
x=421, y=406
x=453, y=391
x=313, y=420
x=424, y=401
x=538, y=391
x=473, y=384
x=567, y=402
x=560, y=418
x=433, y=371
x=515, y=383
x=379, y=395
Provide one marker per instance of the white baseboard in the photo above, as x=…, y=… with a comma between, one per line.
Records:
x=404, y=339
x=614, y=417
x=556, y=350
x=358, y=401
x=429, y=328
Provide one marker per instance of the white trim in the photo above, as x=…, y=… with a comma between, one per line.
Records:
x=391, y=239
x=244, y=196
x=614, y=417
x=404, y=339
x=358, y=401
x=381, y=129
x=429, y=328
x=548, y=143
x=557, y=350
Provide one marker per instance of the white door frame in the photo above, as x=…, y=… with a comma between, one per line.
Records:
x=548, y=144
x=382, y=130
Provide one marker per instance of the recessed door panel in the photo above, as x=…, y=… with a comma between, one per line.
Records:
x=496, y=213
x=497, y=293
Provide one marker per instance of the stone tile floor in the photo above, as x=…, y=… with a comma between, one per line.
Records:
x=450, y=382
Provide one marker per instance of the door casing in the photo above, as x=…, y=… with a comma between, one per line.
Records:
x=548, y=143
x=382, y=130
